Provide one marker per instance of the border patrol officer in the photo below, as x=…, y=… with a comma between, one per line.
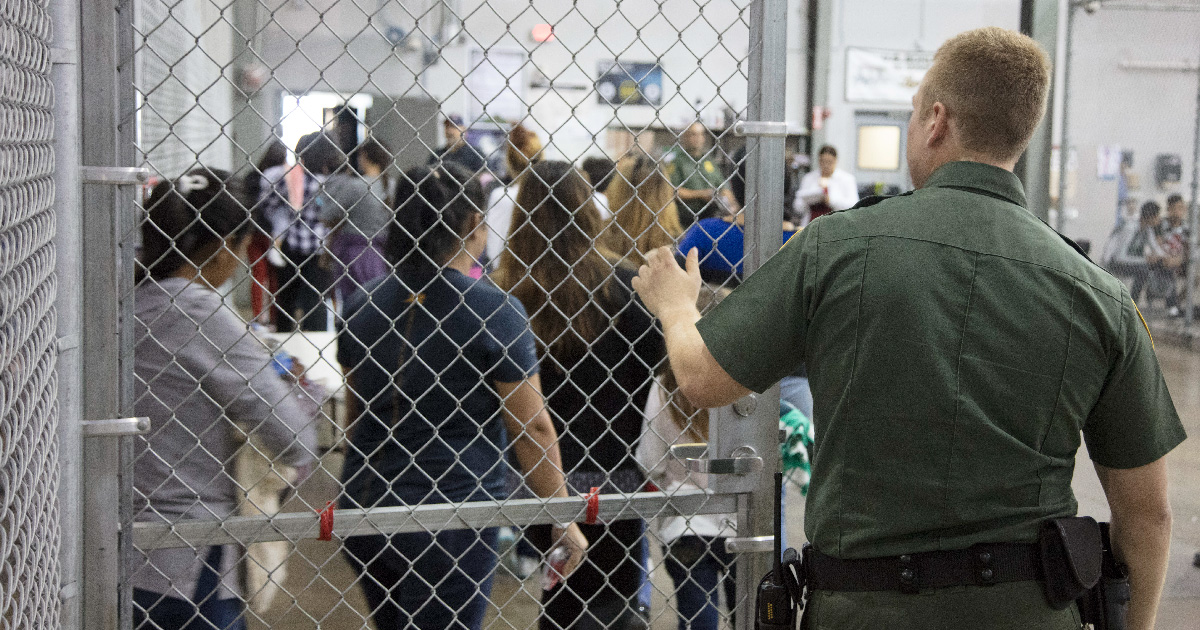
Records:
x=957, y=349
x=695, y=174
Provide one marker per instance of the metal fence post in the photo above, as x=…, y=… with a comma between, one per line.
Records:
x=765, y=178
x=1193, y=209
x=68, y=302
x=107, y=103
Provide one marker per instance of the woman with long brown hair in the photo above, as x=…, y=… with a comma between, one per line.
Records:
x=645, y=214
x=598, y=349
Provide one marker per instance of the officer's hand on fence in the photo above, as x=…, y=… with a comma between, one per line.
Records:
x=664, y=286
x=575, y=542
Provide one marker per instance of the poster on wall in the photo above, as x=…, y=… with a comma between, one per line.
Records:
x=495, y=84
x=885, y=76
x=629, y=83
x=1108, y=162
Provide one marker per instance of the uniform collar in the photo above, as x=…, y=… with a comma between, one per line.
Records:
x=991, y=180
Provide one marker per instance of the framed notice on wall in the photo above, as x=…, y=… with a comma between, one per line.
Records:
x=495, y=84
x=629, y=83
x=885, y=76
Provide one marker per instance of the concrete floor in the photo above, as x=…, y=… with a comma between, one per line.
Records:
x=322, y=593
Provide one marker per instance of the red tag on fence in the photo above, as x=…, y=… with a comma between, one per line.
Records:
x=593, y=506
x=326, y=532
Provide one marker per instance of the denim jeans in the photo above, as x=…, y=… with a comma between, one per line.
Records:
x=205, y=612
x=423, y=580
x=698, y=565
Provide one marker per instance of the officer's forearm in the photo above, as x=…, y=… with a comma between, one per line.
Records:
x=1141, y=533
x=1144, y=545
x=701, y=379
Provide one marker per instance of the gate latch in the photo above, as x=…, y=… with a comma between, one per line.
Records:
x=744, y=460
x=116, y=427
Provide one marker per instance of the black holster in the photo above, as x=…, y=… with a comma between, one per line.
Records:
x=1079, y=568
x=1107, y=604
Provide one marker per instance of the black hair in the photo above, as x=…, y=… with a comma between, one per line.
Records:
x=1150, y=209
x=275, y=155
x=373, y=151
x=433, y=207
x=319, y=153
x=599, y=170
x=1174, y=198
x=737, y=182
x=827, y=150
x=188, y=219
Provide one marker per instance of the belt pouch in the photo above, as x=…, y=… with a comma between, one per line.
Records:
x=1071, y=551
x=1105, y=606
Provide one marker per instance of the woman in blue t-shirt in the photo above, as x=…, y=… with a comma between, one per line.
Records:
x=441, y=369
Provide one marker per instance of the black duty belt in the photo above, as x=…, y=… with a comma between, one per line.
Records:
x=981, y=565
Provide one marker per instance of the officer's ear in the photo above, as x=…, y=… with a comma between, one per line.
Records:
x=937, y=125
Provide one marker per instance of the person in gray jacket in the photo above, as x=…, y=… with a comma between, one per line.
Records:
x=204, y=382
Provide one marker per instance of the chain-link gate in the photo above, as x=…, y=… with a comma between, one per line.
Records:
x=29, y=523
x=430, y=212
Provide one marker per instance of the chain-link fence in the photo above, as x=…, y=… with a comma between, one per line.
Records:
x=1130, y=184
x=29, y=524
x=430, y=213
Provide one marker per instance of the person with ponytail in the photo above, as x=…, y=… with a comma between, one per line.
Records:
x=598, y=349
x=205, y=383
x=443, y=382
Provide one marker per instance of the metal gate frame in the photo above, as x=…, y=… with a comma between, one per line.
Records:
x=108, y=106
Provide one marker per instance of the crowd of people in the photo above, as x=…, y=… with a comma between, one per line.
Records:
x=1151, y=250
x=485, y=337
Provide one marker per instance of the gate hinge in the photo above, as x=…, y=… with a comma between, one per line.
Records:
x=115, y=175
x=767, y=129
x=116, y=427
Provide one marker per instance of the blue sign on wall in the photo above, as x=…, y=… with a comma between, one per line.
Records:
x=629, y=83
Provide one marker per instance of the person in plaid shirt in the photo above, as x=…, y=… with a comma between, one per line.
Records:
x=287, y=202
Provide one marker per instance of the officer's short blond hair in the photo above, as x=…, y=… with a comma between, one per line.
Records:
x=993, y=82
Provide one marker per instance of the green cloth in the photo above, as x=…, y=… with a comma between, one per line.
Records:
x=685, y=171
x=956, y=347
x=797, y=443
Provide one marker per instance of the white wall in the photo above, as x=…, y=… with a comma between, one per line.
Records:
x=920, y=25
x=1150, y=112
x=186, y=103
x=701, y=47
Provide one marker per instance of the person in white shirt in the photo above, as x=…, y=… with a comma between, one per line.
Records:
x=524, y=148
x=826, y=189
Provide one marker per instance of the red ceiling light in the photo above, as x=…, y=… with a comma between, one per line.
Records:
x=542, y=33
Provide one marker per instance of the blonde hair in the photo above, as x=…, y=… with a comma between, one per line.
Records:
x=994, y=83
x=645, y=216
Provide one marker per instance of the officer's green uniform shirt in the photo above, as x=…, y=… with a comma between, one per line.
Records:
x=685, y=171
x=956, y=348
